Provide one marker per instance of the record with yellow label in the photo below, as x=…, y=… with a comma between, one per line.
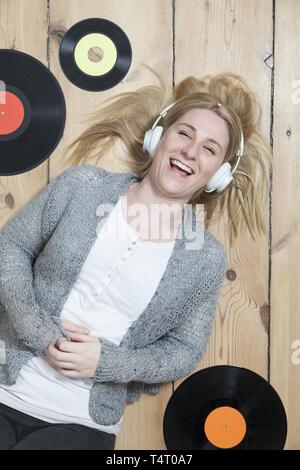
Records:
x=225, y=408
x=95, y=54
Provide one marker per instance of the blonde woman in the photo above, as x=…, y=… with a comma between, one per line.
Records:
x=109, y=282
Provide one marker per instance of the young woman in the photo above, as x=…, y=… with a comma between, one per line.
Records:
x=108, y=281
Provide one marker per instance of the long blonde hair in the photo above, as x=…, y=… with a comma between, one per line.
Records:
x=130, y=114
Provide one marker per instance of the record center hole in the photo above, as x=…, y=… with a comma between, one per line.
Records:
x=95, y=54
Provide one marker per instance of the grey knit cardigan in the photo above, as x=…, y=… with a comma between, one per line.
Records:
x=42, y=250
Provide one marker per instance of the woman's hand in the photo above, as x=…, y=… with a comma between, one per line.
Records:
x=78, y=358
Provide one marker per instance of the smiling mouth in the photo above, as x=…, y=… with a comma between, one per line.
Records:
x=178, y=170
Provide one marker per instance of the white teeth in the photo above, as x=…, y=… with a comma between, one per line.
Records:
x=182, y=165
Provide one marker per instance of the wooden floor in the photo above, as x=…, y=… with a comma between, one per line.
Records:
x=258, y=323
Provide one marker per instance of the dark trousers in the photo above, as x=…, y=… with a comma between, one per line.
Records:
x=19, y=431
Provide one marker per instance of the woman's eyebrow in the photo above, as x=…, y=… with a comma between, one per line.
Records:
x=193, y=129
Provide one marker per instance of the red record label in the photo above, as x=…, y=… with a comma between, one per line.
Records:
x=11, y=113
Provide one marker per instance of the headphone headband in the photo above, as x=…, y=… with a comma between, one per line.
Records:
x=163, y=113
x=240, y=153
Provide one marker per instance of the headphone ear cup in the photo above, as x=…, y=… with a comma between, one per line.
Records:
x=221, y=179
x=151, y=140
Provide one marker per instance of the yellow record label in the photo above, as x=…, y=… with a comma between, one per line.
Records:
x=95, y=54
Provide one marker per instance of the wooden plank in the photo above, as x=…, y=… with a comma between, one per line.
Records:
x=213, y=37
x=285, y=295
x=141, y=428
x=16, y=32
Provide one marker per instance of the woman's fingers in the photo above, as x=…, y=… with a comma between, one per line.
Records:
x=77, y=358
x=58, y=356
x=75, y=328
x=59, y=365
x=66, y=366
x=81, y=338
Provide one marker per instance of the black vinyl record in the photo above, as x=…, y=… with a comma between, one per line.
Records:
x=95, y=54
x=32, y=112
x=225, y=408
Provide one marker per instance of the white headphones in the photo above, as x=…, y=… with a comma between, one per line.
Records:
x=223, y=176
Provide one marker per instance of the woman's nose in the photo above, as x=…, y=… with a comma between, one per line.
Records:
x=190, y=151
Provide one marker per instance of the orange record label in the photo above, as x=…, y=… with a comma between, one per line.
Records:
x=225, y=427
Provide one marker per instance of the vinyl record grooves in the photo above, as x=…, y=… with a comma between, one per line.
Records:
x=32, y=112
x=95, y=54
x=225, y=408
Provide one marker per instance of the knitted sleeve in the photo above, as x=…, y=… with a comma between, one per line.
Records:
x=175, y=354
x=21, y=241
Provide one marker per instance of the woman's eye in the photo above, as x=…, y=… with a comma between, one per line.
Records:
x=184, y=133
x=208, y=148
x=211, y=150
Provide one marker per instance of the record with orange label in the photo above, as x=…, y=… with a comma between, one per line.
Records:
x=32, y=112
x=225, y=408
x=95, y=54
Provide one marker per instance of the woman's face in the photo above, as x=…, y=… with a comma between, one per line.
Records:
x=198, y=139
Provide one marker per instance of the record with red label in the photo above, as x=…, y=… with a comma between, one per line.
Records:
x=32, y=112
x=225, y=408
